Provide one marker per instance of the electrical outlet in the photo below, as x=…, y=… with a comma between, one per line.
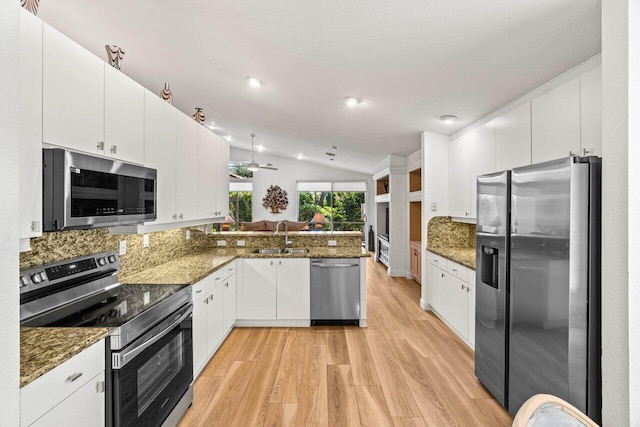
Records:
x=434, y=206
x=147, y=298
x=145, y=240
x=123, y=247
x=188, y=235
x=222, y=243
x=240, y=243
x=332, y=243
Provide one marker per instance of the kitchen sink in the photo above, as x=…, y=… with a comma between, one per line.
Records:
x=297, y=251
x=268, y=251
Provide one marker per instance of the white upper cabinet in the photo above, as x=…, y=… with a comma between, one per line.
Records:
x=591, y=112
x=482, y=158
x=459, y=189
x=207, y=171
x=555, y=123
x=186, y=153
x=123, y=116
x=513, y=138
x=470, y=155
x=159, y=152
x=73, y=94
x=30, y=125
x=222, y=177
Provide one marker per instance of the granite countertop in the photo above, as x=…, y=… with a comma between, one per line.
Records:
x=308, y=233
x=192, y=268
x=42, y=349
x=465, y=256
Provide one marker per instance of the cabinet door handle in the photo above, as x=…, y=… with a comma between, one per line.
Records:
x=100, y=387
x=71, y=378
x=271, y=262
x=226, y=284
x=198, y=291
x=217, y=278
x=174, y=216
x=100, y=145
x=442, y=274
x=180, y=216
x=211, y=297
x=585, y=151
x=114, y=149
x=468, y=289
x=279, y=262
x=571, y=153
x=453, y=269
x=462, y=287
x=206, y=300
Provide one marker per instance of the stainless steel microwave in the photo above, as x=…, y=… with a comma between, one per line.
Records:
x=81, y=191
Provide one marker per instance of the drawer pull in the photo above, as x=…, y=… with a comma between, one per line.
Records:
x=71, y=378
x=198, y=291
x=453, y=269
x=217, y=278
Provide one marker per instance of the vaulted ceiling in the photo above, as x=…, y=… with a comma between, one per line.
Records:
x=409, y=61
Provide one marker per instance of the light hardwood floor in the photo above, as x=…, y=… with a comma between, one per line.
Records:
x=405, y=369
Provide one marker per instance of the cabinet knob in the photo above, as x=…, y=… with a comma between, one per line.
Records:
x=114, y=149
x=100, y=145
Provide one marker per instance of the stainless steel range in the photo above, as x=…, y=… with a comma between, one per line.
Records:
x=149, y=350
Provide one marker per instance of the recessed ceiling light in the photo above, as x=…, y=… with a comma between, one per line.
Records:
x=260, y=147
x=254, y=82
x=228, y=137
x=333, y=147
x=300, y=156
x=448, y=118
x=352, y=101
x=211, y=126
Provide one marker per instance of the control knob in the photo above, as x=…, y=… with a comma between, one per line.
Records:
x=102, y=261
x=36, y=278
x=24, y=281
x=112, y=259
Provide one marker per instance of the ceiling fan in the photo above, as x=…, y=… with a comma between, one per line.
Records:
x=252, y=165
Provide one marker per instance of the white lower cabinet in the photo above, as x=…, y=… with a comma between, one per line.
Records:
x=71, y=394
x=452, y=293
x=214, y=309
x=275, y=289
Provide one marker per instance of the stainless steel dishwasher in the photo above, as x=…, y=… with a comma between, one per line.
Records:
x=335, y=291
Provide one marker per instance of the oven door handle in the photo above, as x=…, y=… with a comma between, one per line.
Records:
x=119, y=360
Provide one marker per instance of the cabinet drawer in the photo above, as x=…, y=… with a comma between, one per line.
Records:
x=437, y=260
x=222, y=273
x=198, y=289
x=457, y=270
x=56, y=385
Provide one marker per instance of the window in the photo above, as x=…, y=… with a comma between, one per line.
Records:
x=340, y=203
x=240, y=192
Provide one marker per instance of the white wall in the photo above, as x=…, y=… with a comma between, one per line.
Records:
x=620, y=212
x=435, y=189
x=289, y=172
x=9, y=303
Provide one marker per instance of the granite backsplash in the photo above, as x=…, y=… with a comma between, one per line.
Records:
x=442, y=232
x=163, y=245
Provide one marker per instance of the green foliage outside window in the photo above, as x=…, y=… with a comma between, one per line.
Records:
x=239, y=208
x=342, y=210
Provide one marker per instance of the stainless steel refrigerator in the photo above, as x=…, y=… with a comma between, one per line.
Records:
x=538, y=283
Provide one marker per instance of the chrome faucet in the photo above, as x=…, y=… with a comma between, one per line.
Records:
x=287, y=242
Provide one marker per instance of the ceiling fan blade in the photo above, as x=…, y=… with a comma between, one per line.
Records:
x=268, y=167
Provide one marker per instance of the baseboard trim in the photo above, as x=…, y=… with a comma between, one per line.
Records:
x=273, y=323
